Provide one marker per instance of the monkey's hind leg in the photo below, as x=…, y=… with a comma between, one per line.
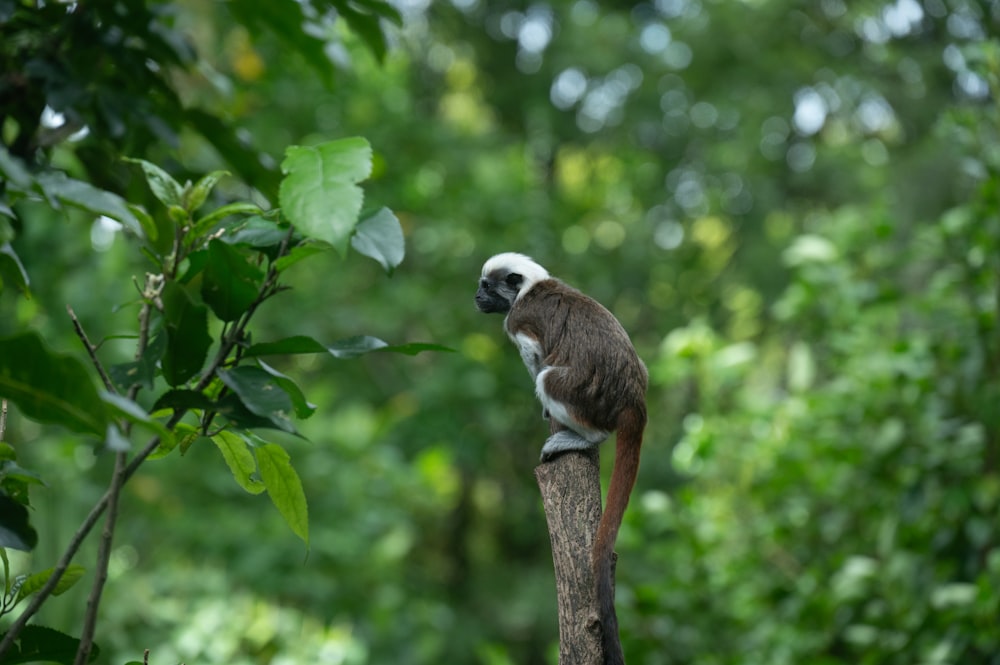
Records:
x=563, y=440
x=575, y=435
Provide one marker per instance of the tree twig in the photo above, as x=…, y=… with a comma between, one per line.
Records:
x=91, y=350
x=3, y=417
x=113, y=494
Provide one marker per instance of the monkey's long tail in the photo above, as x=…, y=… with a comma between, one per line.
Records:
x=629, y=440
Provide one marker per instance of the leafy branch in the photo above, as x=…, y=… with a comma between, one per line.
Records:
x=204, y=266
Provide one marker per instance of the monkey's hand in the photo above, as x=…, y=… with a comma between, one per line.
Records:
x=562, y=441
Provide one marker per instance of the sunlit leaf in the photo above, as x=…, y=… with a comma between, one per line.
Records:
x=230, y=282
x=50, y=387
x=284, y=487
x=188, y=341
x=36, y=581
x=240, y=460
x=380, y=237
x=319, y=194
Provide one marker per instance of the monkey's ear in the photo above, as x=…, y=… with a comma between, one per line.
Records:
x=514, y=279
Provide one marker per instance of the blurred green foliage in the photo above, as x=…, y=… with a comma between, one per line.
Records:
x=794, y=207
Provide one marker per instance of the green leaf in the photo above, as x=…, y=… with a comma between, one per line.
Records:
x=380, y=237
x=287, y=346
x=15, y=530
x=38, y=644
x=284, y=487
x=85, y=196
x=36, y=581
x=182, y=400
x=143, y=371
x=319, y=194
x=345, y=348
x=231, y=283
x=12, y=270
x=238, y=208
x=198, y=193
x=261, y=394
x=187, y=334
x=146, y=222
x=131, y=411
x=362, y=344
x=303, y=408
x=256, y=231
x=240, y=460
x=162, y=184
x=13, y=171
x=50, y=387
x=299, y=252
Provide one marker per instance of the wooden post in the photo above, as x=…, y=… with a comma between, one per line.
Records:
x=571, y=496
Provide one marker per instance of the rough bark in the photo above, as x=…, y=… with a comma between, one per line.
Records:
x=571, y=495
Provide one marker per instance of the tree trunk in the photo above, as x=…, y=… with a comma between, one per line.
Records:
x=571, y=495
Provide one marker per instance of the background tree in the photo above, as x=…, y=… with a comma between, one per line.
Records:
x=793, y=208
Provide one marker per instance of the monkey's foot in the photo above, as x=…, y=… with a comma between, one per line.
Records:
x=563, y=441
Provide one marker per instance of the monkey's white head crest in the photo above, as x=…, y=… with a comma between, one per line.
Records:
x=513, y=262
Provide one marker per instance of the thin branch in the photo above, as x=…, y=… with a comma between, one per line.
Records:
x=91, y=350
x=114, y=494
x=3, y=417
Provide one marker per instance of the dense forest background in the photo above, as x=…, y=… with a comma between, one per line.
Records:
x=792, y=205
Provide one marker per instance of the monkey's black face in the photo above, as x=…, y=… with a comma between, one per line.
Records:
x=497, y=293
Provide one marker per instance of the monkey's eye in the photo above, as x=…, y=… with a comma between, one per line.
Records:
x=484, y=284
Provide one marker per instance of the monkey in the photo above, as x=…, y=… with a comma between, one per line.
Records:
x=589, y=380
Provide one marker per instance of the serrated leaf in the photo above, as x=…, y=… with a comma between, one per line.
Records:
x=319, y=194
x=261, y=394
x=240, y=460
x=36, y=581
x=284, y=487
x=164, y=187
x=380, y=237
x=199, y=192
x=188, y=341
x=230, y=282
x=50, y=387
